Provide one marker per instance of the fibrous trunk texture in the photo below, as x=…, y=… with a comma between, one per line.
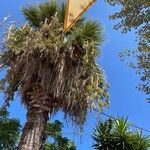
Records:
x=38, y=107
x=33, y=131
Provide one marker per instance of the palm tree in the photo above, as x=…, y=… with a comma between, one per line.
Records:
x=117, y=135
x=52, y=70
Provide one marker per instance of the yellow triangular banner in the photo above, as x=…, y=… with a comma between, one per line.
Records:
x=74, y=10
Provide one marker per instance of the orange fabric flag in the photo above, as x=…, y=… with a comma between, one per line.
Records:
x=74, y=10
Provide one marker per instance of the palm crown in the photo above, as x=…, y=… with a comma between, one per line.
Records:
x=60, y=67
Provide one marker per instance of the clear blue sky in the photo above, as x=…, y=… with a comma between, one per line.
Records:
x=125, y=99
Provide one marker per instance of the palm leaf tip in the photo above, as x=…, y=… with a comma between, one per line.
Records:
x=93, y=30
x=31, y=14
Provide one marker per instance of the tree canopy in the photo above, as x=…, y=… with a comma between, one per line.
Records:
x=9, y=131
x=54, y=131
x=136, y=15
x=40, y=57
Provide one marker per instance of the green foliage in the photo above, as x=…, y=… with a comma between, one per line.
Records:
x=136, y=15
x=9, y=131
x=37, y=14
x=89, y=32
x=54, y=131
x=117, y=135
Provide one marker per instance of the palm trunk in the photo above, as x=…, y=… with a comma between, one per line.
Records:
x=33, y=131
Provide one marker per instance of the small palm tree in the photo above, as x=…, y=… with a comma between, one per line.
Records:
x=52, y=70
x=117, y=135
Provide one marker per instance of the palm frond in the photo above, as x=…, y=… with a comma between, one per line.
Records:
x=31, y=13
x=47, y=10
x=142, y=140
x=39, y=13
x=88, y=31
x=122, y=126
x=62, y=11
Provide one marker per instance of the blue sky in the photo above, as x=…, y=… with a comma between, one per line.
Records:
x=125, y=99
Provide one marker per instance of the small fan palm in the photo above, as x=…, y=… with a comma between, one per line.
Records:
x=53, y=70
x=117, y=135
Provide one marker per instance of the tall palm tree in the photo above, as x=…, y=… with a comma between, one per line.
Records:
x=52, y=70
x=117, y=135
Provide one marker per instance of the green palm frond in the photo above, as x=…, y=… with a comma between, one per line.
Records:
x=62, y=11
x=38, y=13
x=47, y=10
x=121, y=126
x=89, y=31
x=31, y=13
x=102, y=135
x=142, y=140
